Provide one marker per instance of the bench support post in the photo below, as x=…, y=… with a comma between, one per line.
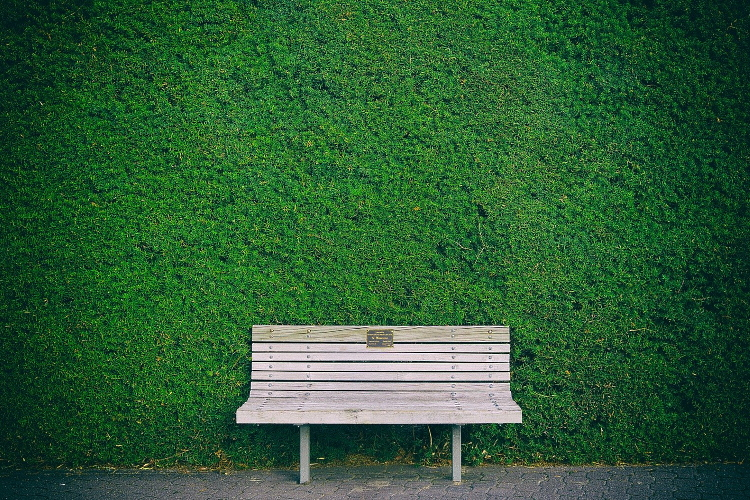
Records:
x=304, y=453
x=456, y=454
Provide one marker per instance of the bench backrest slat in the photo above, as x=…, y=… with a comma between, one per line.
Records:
x=388, y=376
x=259, y=347
x=451, y=334
x=358, y=367
x=281, y=389
x=381, y=355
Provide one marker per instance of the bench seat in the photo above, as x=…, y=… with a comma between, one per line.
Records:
x=379, y=407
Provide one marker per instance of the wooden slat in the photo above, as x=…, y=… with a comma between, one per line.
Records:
x=311, y=333
x=381, y=401
x=392, y=376
x=285, y=404
x=370, y=367
x=381, y=417
x=258, y=347
x=479, y=393
x=262, y=388
x=457, y=408
x=377, y=401
x=382, y=355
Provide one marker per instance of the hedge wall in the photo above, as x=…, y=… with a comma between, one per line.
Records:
x=172, y=174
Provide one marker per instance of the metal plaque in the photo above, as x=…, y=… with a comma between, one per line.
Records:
x=379, y=338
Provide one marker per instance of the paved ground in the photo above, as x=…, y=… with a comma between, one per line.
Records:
x=380, y=482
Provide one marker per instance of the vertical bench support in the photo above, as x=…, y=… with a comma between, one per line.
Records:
x=304, y=453
x=456, y=454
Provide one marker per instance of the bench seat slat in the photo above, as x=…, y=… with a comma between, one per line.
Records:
x=380, y=417
x=285, y=404
x=311, y=333
x=361, y=399
x=390, y=376
x=384, y=400
x=355, y=399
x=288, y=405
x=354, y=367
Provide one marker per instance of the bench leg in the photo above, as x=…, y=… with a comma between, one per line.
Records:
x=456, y=453
x=304, y=454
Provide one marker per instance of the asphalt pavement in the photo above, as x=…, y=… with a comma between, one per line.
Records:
x=715, y=481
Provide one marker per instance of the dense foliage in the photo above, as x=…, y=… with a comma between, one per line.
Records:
x=173, y=173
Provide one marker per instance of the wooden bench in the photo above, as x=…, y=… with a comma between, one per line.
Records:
x=454, y=375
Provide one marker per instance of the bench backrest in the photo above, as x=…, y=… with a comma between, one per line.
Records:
x=380, y=358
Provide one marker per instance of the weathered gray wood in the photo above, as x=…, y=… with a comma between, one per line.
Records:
x=392, y=376
x=456, y=453
x=376, y=399
x=297, y=407
x=381, y=407
x=287, y=405
x=310, y=333
x=379, y=367
x=259, y=347
x=399, y=390
x=403, y=417
x=382, y=355
x=391, y=387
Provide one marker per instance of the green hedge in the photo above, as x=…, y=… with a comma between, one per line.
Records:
x=173, y=174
